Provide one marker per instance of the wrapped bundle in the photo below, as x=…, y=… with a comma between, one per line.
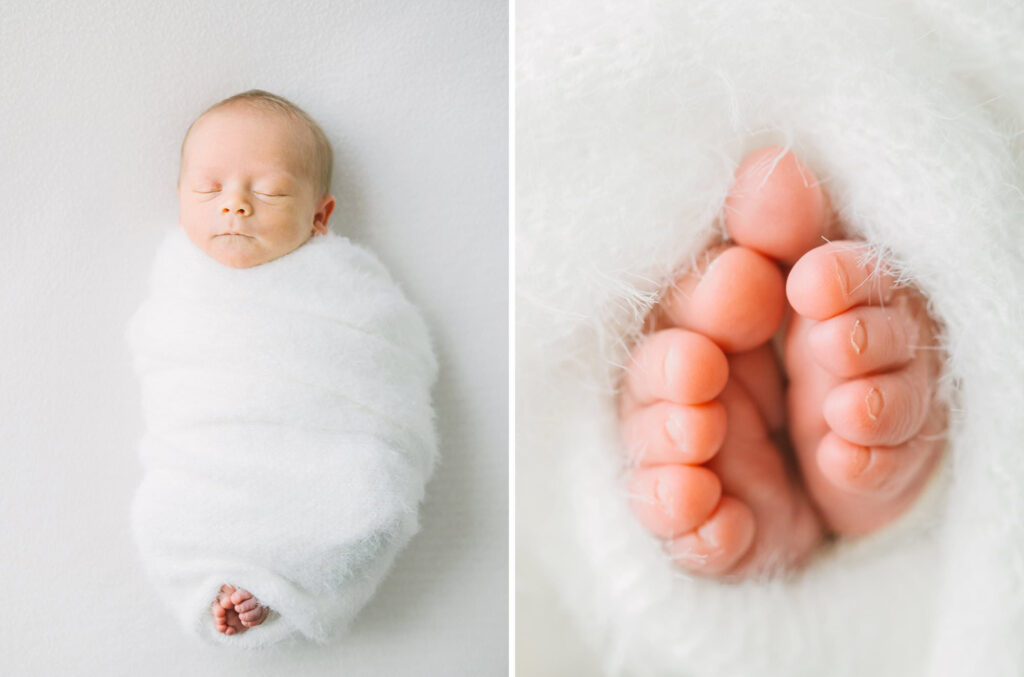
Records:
x=289, y=433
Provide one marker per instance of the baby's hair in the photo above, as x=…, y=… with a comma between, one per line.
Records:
x=323, y=153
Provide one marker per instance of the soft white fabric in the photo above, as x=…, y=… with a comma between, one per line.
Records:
x=631, y=118
x=289, y=433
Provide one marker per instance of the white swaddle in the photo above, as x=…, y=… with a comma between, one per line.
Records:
x=289, y=433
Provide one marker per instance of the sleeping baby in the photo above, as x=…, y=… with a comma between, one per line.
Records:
x=286, y=391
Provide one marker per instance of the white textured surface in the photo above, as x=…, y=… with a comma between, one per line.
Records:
x=96, y=99
x=631, y=118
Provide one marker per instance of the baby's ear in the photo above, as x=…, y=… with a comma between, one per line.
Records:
x=323, y=215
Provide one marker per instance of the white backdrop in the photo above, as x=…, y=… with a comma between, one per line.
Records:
x=95, y=98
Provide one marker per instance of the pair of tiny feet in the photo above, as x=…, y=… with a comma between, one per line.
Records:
x=741, y=468
x=236, y=610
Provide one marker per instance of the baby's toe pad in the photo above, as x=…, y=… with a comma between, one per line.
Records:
x=776, y=205
x=880, y=472
x=675, y=365
x=862, y=340
x=887, y=409
x=830, y=279
x=672, y=433
x=719, y=543
x=738, y=302
x=673, y=499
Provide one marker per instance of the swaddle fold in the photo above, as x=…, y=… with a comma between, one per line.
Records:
x=288, y=433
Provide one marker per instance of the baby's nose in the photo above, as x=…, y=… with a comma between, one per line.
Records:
x=236, y=205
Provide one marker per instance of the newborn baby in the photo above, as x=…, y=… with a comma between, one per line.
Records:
x=254, y=182
x=286, y=389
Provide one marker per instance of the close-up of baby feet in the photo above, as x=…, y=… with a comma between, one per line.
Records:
x=236, y=610
x=742, y=468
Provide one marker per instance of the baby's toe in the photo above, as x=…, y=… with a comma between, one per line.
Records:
x=738, y=301
x=776, y=205
x=674, y=365
x=666, y=432
x=865, y=339
x=240, y=595
x=719, y=543
x=254, y=617
x=882, y=472
x=219, y=617
x=883, y=481
x=246, y=605
x=831, y=279
x=884, y=409
x=224, y=598
x=670, y=500
x=235, y=625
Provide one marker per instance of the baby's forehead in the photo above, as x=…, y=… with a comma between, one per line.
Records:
x=297, y=159
x=231, y=114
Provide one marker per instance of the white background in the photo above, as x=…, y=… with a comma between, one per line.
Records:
x=94, y=101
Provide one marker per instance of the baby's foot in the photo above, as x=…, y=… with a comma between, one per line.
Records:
x=236, y=610
x=700, y=404
x=248, y=608
x=716, y=486
x=863, y=365
x=861, y=356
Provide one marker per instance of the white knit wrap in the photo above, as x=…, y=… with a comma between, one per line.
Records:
x=289, y=433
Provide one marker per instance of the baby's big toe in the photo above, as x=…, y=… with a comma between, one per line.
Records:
x=776, y=205
x=239, y=596
x=832, y=278
x=737, y=302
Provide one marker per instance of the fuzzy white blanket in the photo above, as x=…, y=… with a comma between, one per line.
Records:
x=289, y=433
x=631, y=118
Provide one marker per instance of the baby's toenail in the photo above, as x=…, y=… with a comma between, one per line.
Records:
x=860, y=461
x=858, y=337
x=840, y=273
x=873, y=400
x=708, y=535
x=661, y=498
x=674, y=428
x=671, y=365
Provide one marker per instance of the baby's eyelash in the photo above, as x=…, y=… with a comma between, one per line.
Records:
x=217, y=190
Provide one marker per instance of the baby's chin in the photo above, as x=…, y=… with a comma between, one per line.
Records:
x=239, y=251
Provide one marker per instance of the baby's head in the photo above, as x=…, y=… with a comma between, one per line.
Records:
x=254, y=180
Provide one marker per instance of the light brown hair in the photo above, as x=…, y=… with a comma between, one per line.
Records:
x=323, y=154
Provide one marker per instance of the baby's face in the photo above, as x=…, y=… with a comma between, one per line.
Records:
x=246, y=195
